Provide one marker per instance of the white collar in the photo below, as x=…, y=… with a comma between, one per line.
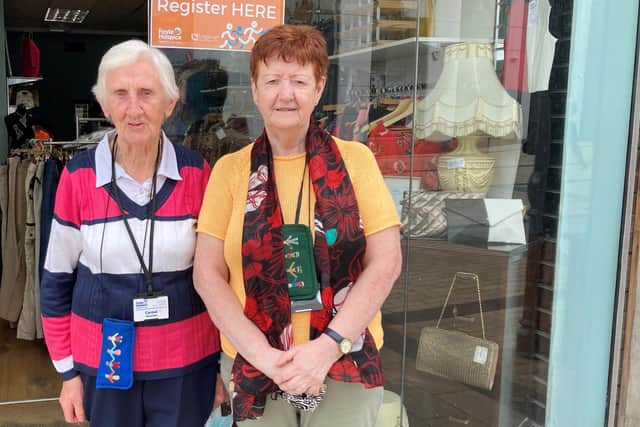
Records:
x=168, y=162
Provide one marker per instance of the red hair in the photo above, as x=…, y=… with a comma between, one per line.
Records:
x=303, y=44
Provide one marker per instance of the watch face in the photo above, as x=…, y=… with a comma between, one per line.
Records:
x=345, y=346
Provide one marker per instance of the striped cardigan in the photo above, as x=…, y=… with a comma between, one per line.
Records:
x=92, y=272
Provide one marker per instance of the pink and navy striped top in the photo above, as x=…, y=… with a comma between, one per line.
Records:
x=92, y=271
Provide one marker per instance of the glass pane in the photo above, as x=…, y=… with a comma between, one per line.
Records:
x=214, y=114
x=462, y=103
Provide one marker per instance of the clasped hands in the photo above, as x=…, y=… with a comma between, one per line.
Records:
x=303, y=368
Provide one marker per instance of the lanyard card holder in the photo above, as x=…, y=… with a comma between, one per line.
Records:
x=150, y=306
x=302, y=280
x=116, y=357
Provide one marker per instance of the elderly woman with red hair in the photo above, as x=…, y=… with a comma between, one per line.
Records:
x=298, y=247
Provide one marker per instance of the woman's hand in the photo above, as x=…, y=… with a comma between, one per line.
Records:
x=310, y=362
x=275, y=364
x=221, y=395
x=71, y=400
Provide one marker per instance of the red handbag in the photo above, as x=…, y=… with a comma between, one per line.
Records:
x=392, y=149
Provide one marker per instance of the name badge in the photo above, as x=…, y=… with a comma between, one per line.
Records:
x=150, y=308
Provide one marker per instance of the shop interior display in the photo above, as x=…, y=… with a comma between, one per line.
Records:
x=441, y=103
x=467, y=102
x=25, y=120
x=456, y=355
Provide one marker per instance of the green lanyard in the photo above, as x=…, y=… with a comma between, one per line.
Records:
x=300, y=266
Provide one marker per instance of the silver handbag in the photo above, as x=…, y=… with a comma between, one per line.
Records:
x=424, y=213
x=455, y=355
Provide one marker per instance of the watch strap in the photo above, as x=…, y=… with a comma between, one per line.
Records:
x=334, y=335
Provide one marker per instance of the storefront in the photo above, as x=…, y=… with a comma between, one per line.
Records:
x=503, y=130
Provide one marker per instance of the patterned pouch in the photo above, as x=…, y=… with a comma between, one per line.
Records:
x=116, y=358
x=298, y=257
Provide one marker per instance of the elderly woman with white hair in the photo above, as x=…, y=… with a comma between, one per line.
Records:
x=125, y=329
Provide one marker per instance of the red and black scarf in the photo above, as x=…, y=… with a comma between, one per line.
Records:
x=339, y=249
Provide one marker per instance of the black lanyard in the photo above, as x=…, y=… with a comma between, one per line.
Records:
x=299, y=204
x=148, y=271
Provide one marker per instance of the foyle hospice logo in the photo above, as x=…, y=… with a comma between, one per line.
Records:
x=170, y=34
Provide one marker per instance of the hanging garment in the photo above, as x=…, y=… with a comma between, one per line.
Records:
x=13, y=272
x=4, y=201
x=346, y=123
x=514, y=71
x=213, y=138
x=52, y=168
x=37, y=210
x=27, y=320
x=361, y=120
x=541, y=45
x=29, y=58
x=539, y=143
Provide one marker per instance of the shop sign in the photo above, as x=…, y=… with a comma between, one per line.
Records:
x=212, y=24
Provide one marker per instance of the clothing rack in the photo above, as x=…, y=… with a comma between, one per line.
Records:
x=31, y=177
x=399, y=89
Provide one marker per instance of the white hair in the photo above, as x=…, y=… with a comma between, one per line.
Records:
x=126, y=53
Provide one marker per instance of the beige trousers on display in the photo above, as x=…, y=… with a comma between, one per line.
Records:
x=345, y=404
x=37, y=210
x=27, y=322
x=4, y=201
x=13, y=268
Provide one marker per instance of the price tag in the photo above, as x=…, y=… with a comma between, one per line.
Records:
x=532, y=17
x=456, y=163
x=480, y=355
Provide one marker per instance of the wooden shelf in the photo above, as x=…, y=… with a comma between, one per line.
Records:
x=397, y=4
x=396, y=24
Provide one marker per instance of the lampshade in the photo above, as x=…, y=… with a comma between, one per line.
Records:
x=467, y=101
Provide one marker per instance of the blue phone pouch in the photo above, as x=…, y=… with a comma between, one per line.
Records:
x=116, y=357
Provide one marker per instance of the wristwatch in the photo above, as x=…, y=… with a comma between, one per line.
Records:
x=343, y=343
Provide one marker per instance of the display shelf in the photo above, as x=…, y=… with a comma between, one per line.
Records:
x=397, y=4
x=81, y=120
x=227, y=88
x=396, y=24
x=404, y=48
x=16, y=80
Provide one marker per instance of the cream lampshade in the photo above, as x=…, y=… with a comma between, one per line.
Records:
x=468, y=102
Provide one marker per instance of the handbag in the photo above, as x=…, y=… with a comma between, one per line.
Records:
x=456, y=355
x=424, y=212
x=479, y=222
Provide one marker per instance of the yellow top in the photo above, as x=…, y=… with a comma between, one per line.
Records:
x=222, y=212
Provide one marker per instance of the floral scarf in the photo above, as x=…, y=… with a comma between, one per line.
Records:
x=339, y=249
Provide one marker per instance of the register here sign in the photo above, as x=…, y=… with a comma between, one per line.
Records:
x=212, y=24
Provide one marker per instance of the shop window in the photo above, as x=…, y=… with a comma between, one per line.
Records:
x=462, y=103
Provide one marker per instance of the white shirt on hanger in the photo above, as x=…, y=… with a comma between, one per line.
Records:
x=541, y=45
